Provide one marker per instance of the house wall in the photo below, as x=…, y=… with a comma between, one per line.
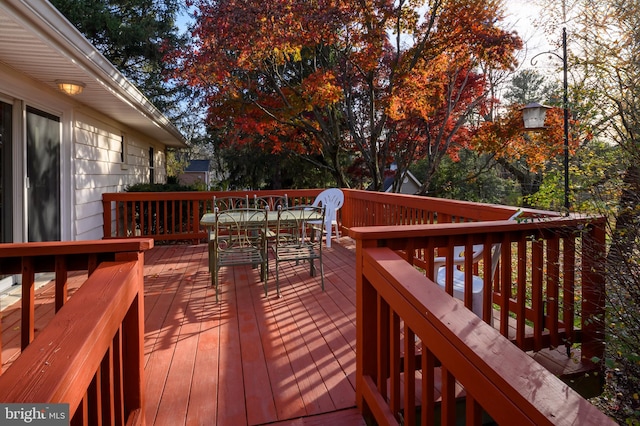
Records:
x=90, y=155
x=99, y=167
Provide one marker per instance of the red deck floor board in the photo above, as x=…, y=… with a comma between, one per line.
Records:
x=249, y=359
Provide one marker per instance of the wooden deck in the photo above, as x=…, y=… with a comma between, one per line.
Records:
x=248, y=359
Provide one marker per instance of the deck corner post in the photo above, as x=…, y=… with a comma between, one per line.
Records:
x=133, y=348
x=366, y=301
x=593, y=292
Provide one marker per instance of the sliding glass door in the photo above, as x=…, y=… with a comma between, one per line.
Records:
x=43, y=176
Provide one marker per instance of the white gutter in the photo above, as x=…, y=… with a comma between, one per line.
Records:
x=57, y=30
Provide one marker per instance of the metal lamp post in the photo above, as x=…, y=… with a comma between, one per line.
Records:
x=533, y=114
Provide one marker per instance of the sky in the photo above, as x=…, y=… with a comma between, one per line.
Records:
x=522, y=14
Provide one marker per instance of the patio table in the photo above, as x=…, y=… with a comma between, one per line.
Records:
x=209, y=219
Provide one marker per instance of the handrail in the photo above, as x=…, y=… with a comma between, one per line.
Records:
x=367, y=208
x=60, y=257
x=91, y=354
x=405, y=324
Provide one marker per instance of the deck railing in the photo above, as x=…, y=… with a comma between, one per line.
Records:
x=547, y=291
x=367, y=208
x=90, y=354
x=419, y=355
x=170, y=216
x=548, y=287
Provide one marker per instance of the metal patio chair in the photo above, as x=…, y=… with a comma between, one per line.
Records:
x=238, y=237
x=295, y=242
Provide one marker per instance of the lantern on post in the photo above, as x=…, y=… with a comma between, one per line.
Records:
x=533, y=115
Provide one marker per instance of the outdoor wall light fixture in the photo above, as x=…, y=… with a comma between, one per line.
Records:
x=71, y=88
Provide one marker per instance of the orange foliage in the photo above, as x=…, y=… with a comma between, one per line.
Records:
x=507, y=138
x=322, y=75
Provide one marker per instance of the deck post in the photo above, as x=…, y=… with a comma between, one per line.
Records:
x=133, y=346
x=366, y=326
x=106, y=217
x=593, y=292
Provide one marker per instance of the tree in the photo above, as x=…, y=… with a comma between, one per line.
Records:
x=135, y=35
x=530, y=157
x=528, y=86
x=606, y=36
x=362, y=84
x=473, y=176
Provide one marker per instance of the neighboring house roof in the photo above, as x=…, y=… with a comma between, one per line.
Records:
x=410, y=183
x=198, y=166
x=38, y=41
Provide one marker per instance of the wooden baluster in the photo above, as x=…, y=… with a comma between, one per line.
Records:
x=553, y=281
x=61, y=282
x=568, y=289
x=537, y=276
x=521, y=300
x=28, y=300
x=409, y=376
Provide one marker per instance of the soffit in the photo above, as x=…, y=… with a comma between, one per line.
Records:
x=37, y=41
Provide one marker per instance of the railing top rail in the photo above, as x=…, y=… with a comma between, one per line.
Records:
x=451, y=229
x=201, y=195
x=480, y=211
x=50, y=248
x=520, y=382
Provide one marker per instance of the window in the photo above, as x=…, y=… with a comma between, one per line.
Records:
x=43, y=176
x=151, y=167
x=124, y=152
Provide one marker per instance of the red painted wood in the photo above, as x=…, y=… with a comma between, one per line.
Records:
x=502, y=385
x=593, y=291
x=554, y=280
x=178, y=292
x=28, y=312
x=165, y=308
x=61, y=281
x=260, y=408
x=203, y=407
x=287, y=395
x=537, y=295
x=82, y=333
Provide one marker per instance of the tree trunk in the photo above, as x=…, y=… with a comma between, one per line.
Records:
x=529, y=182
x=625, y=237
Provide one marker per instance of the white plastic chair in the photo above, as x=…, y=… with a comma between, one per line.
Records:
x=458, y=258
x=459, y=251
x=477, y=287
x=332, y=199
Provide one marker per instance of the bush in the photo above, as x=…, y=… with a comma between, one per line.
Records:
x=159, y=187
